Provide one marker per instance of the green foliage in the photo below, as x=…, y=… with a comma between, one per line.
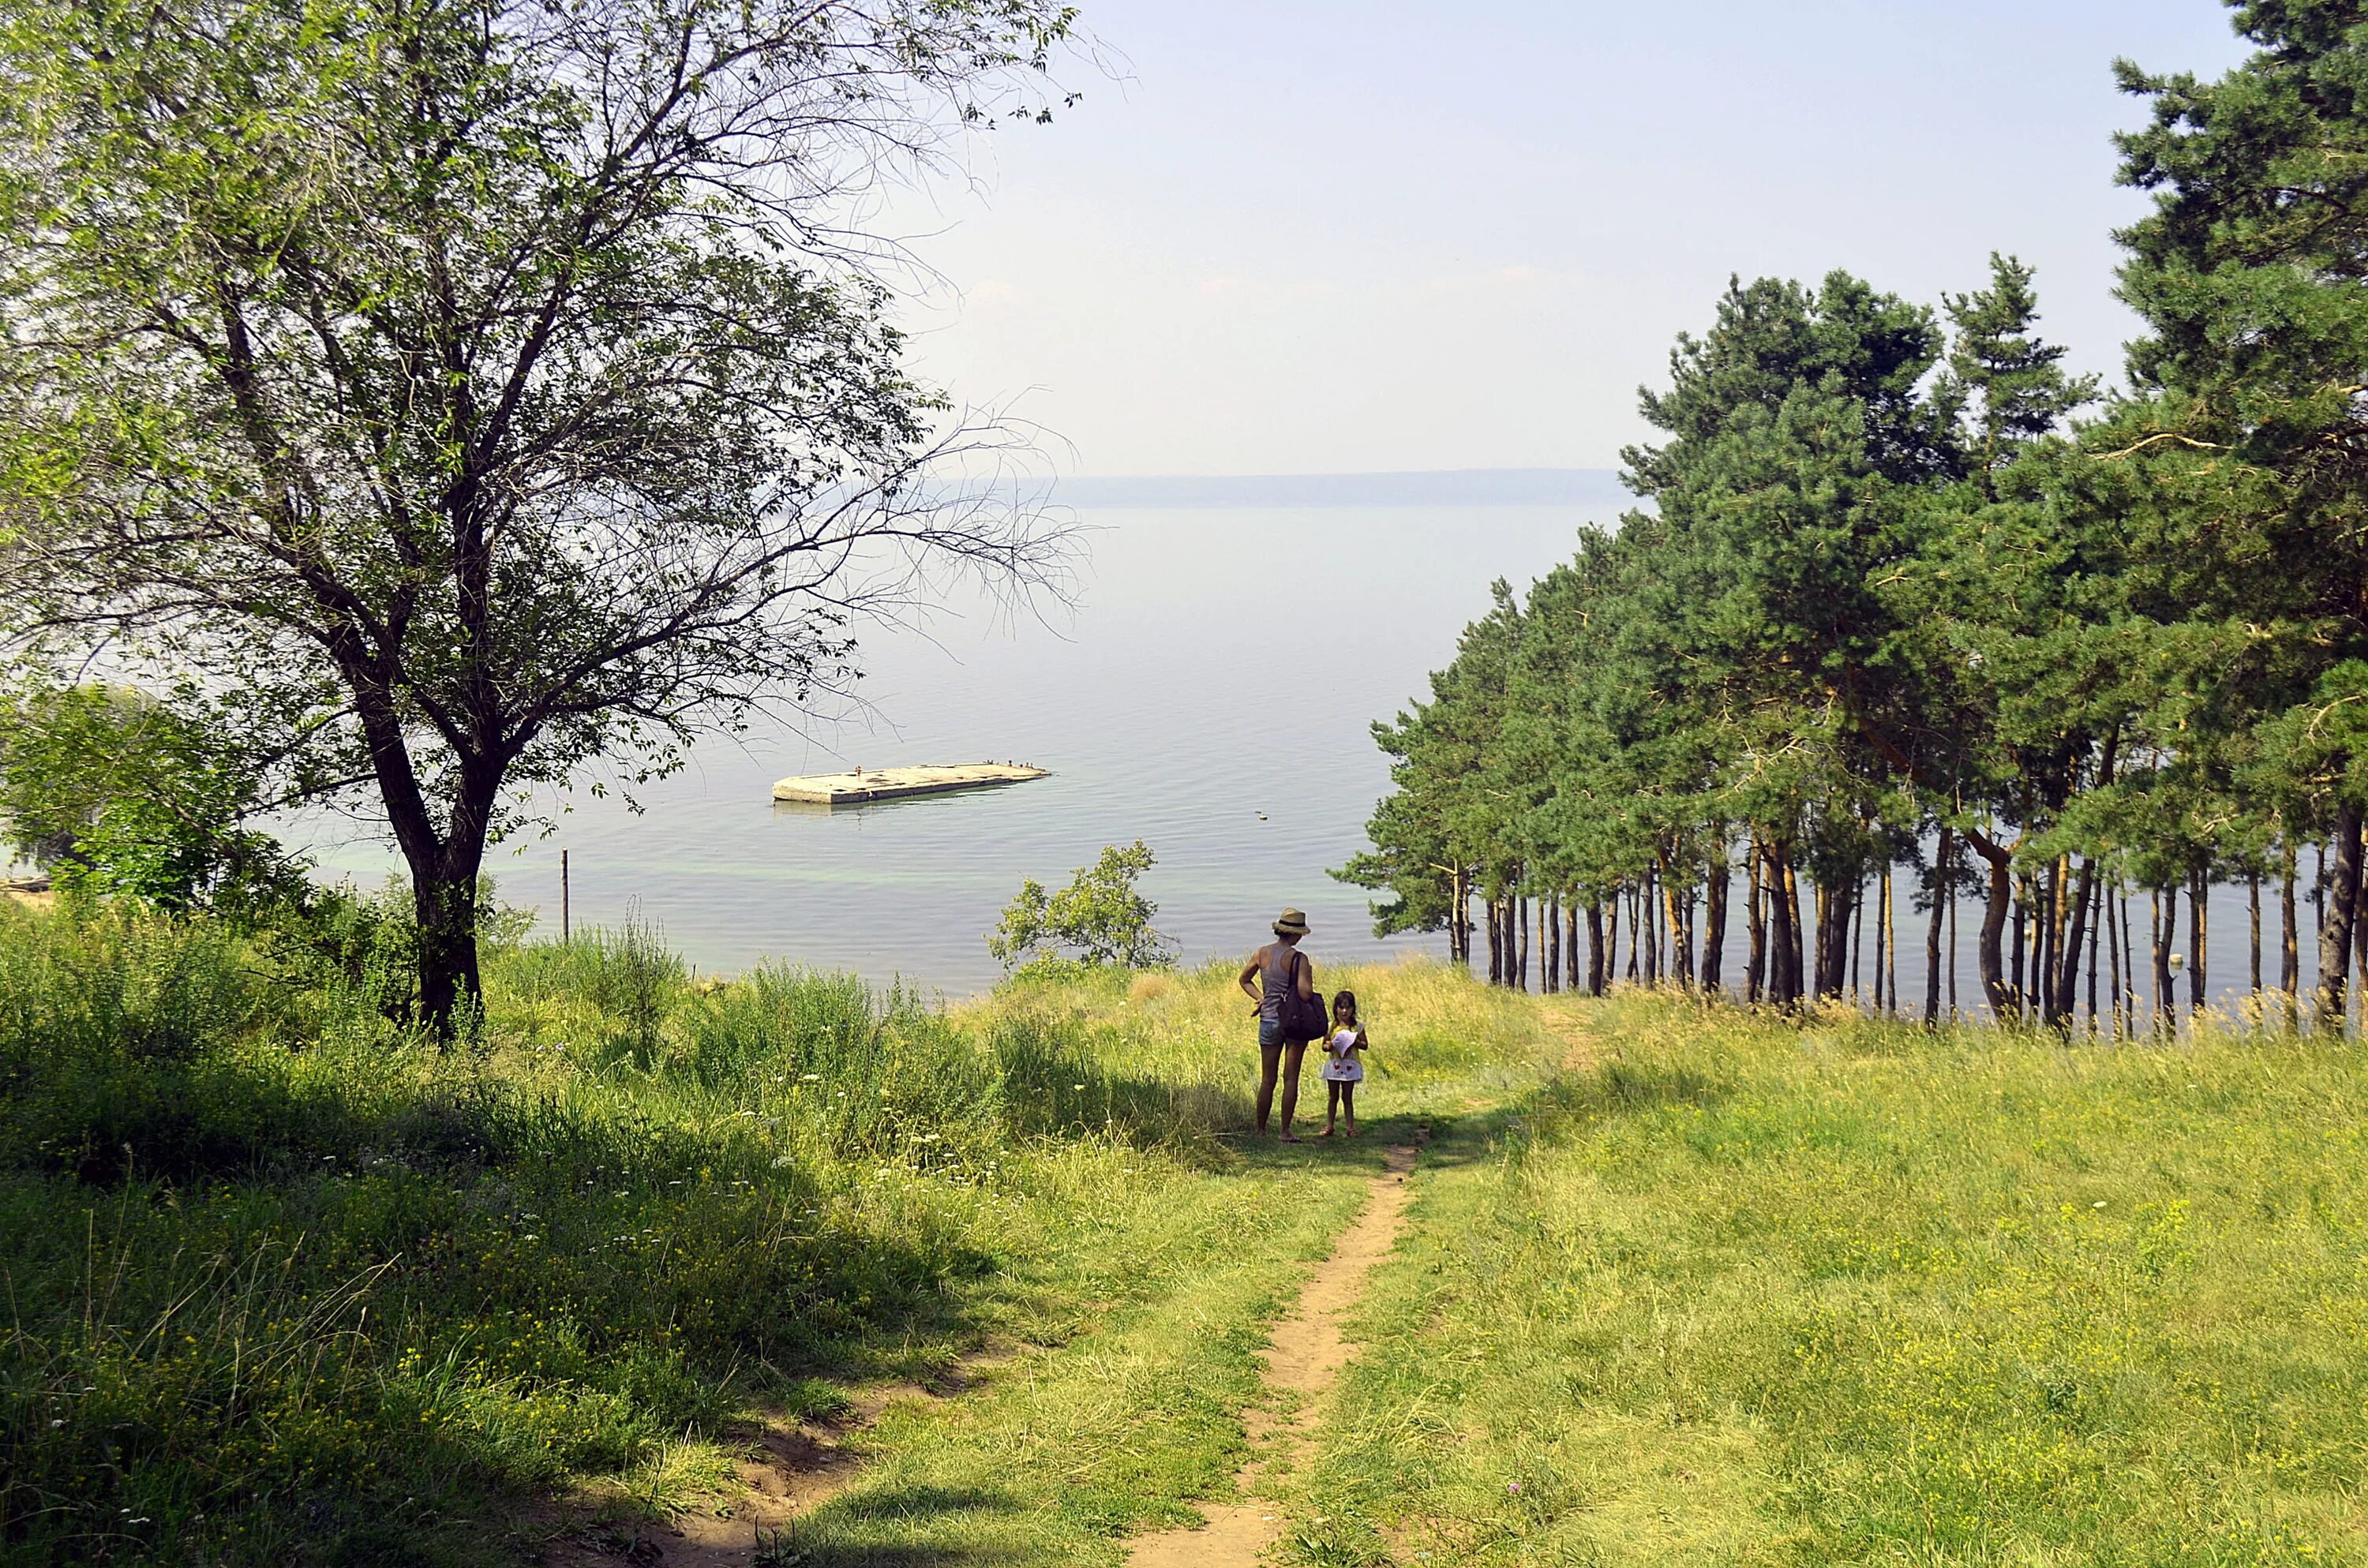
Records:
x=117, y=792
x=546, y=429
x=1098, y=918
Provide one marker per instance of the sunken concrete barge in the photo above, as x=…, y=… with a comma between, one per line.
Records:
x=866, y=785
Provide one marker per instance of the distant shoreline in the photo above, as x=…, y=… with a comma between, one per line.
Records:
x=1597, y=487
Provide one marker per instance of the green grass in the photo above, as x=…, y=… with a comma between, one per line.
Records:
x=286, y=1286
x=1747, y=1292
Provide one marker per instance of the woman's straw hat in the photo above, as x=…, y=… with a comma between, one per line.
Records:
x=1291, y=923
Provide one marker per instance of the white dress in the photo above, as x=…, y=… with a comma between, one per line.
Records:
x=1340, y=1063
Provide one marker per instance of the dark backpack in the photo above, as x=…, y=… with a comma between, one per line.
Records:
x=1301, y=1018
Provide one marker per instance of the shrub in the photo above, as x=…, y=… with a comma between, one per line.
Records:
x=1099, y=915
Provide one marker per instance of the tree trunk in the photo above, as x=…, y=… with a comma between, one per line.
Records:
x=1649, y=925
x=2022, y=993
x=2113, y=951
x=2130, y=968
x=1796, y=977
x=1994, y=986
x=1495, y=942
x=1754, y=918
x=2253, y=913
x=1597, y=970
x=2166, y=938
x=1717, y=878
x=1856, y=931
x=2068, y=998
x=1521, y=942
x=2095, y=913
x=2334, y=934
x=1636, y=936
x=1890, y=944
x=1681, y=958
x=2289, y=946
x=1834, y=910
x=1943, y=867
x=2199, y=940
x=1570, y=944
x=1784, y=935
x=1553, y=935
x=1612, y=939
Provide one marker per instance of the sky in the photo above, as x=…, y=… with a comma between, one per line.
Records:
x=1301, y=236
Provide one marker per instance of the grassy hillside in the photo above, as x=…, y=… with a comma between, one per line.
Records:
x=286, y=1286
x=1682, y=1286
x=1742, y=1292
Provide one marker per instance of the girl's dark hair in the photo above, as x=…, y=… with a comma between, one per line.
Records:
x=1346, y=999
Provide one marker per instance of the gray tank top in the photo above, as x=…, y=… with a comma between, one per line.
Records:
x=1281, y=974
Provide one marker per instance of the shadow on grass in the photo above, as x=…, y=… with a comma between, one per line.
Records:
x=848, y=1531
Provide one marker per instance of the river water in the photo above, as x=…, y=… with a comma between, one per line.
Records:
x=1211, y=693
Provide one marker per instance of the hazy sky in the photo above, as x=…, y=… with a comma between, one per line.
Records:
x=1343, y=235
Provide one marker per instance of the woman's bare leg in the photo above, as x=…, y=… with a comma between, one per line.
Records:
x=1292, y=1054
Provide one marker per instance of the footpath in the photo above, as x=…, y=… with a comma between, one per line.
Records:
x=1303, y=1360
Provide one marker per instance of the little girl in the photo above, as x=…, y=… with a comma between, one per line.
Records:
x=1342, y=1071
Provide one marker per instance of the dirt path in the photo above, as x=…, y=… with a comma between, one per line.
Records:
x=1303, y=1360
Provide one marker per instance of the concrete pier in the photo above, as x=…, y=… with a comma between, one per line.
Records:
x=897, y=783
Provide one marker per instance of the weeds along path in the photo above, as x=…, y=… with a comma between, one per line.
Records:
x=1302, y=1359
x=785, y=1471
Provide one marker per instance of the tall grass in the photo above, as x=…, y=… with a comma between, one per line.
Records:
x=287, y=1283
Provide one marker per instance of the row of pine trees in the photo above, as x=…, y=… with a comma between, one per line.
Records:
x=1910, y=617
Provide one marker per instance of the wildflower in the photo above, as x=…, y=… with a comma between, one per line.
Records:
x=1513, y=1486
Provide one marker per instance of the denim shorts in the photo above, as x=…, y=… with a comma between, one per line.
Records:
x=1269, y=1033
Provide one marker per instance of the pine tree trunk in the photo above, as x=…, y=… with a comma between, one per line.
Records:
x=2078, y=931
x=1570, y=943
x=1754, y=919
x=1856, y=931
x=2130, y=968
x=2021, y=944
x=2199, y=940
x=1636, y=936
x=2290, y=945
x=1649, y=925
x=2165, y=938
x=1784, y=934
x=1944, y=866
x=2113, y=951
x=1718, y=878
x=1681, y=962
x=1495, y=942
x=2253, y=912
x=2095, y=911
x=2335, y=933
x=1994, y=986
x=1521, y=942
x=1612, y=939
x=1597, y=970
x=1886, y=974
x=1553, y=935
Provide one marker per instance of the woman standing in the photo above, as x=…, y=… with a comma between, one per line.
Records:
x=1283, y=972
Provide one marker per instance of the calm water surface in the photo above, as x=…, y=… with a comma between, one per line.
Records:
x=1219, y=665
